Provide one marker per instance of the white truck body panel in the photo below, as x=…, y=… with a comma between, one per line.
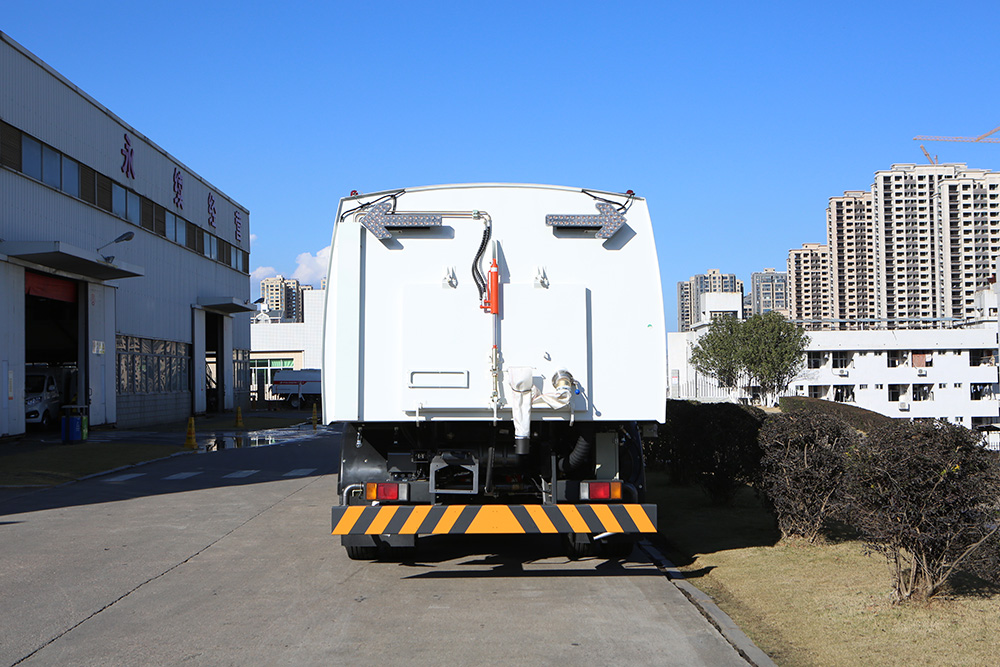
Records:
x=305, y=382
x=405, y=338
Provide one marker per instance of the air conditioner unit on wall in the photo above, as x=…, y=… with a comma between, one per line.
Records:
x=842, y=372
x=921, y=372
x=904, y=406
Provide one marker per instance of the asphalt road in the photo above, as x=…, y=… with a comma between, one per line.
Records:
x=226, y=558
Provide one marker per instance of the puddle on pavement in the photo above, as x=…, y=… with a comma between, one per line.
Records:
x=219, y=441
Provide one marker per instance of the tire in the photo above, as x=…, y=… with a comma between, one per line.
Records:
x=294, y=402
x=616, y=549
x=362, y=553
x=577, y=550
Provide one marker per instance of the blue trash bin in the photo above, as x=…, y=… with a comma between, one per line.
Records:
x=74, y=423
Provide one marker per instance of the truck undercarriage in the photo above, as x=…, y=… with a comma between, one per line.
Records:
x=399, y=480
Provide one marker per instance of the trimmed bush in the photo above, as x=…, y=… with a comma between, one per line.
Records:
x=711, y=444
x=923, y=494
x=802, y=469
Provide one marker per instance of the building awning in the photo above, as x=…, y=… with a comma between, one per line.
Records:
x=226, y=304
x=62, y=256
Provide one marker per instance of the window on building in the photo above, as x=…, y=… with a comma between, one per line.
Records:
x=841, y=359
x=843, y=393
x=979, y=391
x=818, y=391
x=985, y=357
x=923, y=392
x=133, y=208
x=147, y=366
x=895, y=358
x=10, y=146
x=70, y=177
x=814, y=359
x=31, y=157
x=896, y=392
x=923, y=359
x=119, y=202
x=51, y=168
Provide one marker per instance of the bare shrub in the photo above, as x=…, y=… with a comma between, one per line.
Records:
x=802, y=469
x=923, y=494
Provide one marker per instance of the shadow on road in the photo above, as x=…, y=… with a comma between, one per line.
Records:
x=304, y=457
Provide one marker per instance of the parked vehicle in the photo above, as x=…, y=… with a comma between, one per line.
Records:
x=301, y=387
x=512, y=402
x=42, y=397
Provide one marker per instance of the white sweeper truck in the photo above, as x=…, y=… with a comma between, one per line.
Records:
x=496, y=353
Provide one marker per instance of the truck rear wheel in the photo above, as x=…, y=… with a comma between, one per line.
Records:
x=362, y=553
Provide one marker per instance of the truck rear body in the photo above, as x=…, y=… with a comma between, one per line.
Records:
x=495, y=352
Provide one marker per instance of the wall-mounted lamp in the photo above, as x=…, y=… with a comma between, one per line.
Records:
x=127, y=236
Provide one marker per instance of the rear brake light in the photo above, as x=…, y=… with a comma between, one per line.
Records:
x=386, y=491
x=600, y=490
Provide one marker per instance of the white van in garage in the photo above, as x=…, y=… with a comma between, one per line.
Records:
x=42, y=398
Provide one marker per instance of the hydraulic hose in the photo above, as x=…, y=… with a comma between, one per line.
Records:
x=477, y=275
x=580, y=455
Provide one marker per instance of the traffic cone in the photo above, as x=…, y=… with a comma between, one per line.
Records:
x=314, y=416
x=239, y=417
x=189, y=441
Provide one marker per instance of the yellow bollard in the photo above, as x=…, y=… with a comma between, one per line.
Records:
x=189, y=441
x=239, y=417
x=314, y=416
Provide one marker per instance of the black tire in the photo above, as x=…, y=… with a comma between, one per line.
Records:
x=576, y=550
x=362, y=553
x=294, y=402
x=616, y=548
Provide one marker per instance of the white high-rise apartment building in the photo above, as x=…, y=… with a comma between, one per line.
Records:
x=689, y=294
x=967, y=215
x=853, y=275
x=769, y=291
x=809, y=301
x=909, y=245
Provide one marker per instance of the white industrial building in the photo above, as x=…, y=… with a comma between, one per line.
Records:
x=947, y=374
x=151, y=328
x=276, y=345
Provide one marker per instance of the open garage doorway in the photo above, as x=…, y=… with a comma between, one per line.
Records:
x=53, y=322
x=214, y=373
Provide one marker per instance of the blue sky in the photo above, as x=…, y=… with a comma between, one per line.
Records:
x=736, y=120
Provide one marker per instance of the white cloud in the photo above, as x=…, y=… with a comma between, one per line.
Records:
x=262, y=272
x=311, y=268
x=253, y=239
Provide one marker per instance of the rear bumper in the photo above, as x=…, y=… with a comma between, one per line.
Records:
x=492, y=519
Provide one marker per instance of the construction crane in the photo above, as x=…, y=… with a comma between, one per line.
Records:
x=982, y=138
x=932, y=160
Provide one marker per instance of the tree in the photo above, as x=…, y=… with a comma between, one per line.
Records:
x=765, y=351
x=802, y=469
x=923, y=494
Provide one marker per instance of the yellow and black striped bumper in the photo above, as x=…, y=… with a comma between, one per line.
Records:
x=492, y=519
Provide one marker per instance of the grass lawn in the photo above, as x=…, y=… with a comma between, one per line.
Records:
x=817, y=604
x=56, y=464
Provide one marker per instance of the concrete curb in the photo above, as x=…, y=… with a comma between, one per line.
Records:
x=725, y=625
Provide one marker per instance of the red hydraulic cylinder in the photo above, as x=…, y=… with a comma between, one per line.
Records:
x=491, y=303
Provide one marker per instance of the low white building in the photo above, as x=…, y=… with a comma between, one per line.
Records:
x=277, y=345
x=915, y=373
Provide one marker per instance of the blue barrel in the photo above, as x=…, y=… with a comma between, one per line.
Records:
x=72, y=428
x=74, y=423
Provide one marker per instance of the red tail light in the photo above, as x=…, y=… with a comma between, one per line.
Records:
x=386, y=491
x=600, y=490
